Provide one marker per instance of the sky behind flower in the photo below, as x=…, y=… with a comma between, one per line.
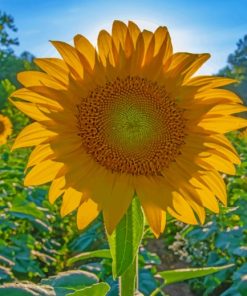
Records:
x=195, y=26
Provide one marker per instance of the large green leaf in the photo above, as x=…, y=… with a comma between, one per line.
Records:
x=178, y=275
x=66, y=282
x=125, y=240
x=88, y=255
x=100, y=289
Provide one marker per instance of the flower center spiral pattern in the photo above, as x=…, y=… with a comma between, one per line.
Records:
x=131, y=126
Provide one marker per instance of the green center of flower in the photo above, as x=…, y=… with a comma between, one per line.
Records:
x=131, y=126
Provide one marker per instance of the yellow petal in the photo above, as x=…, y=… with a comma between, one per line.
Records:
x=227, y=109
x=81, y=169
x=105, y=47
x=198, y=209
x=87, y=212
x=207, y=197
x=184, y=65
x=113, y=210
x=215, y=183
x=31, y=135
x=35, y=78
x=42, y=173
x=40, y=153
x=210, y=145
x=30, y=110
x=128, y=45
x=30, y=96
x=137, y=56
x=181, y=210
x=224, y=152
x=147, y=37
x=222, y=125
x=162, y=37
x=163, y=222
x=155, y=189
x=71, y=201
x=154, y=62
x=155, y=216
x=215, y=96
x=206, y=82
x=63, y=98
x=62, y=148
x=223, y=141
x=214, y=161
x=149, y=47
x=134, y=31
x=54, y=67
x=70, y=56
x=179, y=179
x=119, y=31
x=85, y=48
x=56, y=189
x=191, y=189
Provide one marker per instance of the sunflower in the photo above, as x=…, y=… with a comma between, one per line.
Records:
x=126, y=119
x=5, y=129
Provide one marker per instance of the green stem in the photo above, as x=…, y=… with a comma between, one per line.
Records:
x=128, y=282
x=158, y=290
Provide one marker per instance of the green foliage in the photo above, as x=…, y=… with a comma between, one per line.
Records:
x=6, y=25
x=237, y=68
x=6, y=88
x=12, y=64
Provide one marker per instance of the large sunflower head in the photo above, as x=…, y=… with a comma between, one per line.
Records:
x=5, y=129
x=125, y=119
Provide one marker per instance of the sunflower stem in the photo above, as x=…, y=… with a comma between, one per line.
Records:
x=128, y=282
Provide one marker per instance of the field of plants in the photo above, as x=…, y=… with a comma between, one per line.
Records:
x=44, y=254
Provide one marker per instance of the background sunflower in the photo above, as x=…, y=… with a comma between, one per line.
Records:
x=5, y=129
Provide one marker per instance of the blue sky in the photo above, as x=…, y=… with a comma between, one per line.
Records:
x=195, y=26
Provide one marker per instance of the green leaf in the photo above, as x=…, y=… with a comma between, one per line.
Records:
x=23, y=206
x=178, y=275
x=5, y=274
x=125, y=240
x=74, y=279
x=16, y=291
x=240, y=251
x=100, y=289
x=27, y=289
x=88, y=255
